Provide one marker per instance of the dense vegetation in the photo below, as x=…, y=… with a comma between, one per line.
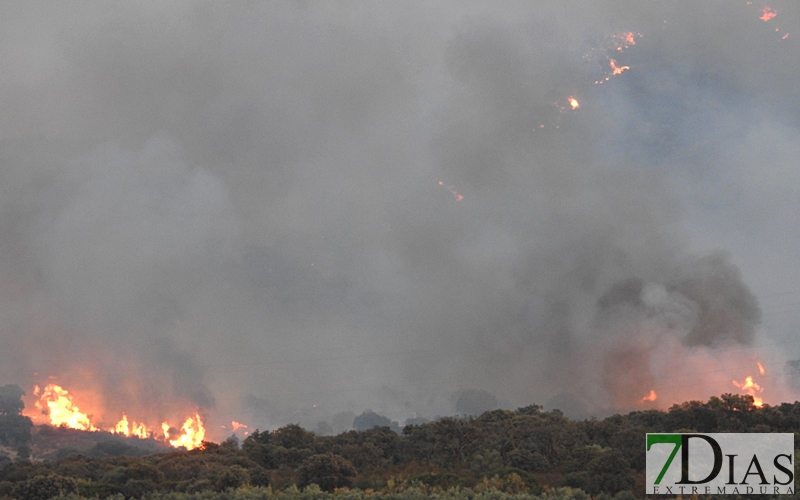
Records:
x=527, y=453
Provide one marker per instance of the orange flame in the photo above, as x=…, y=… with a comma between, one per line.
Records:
x=573, y=102
x=237, y=425
x=617, y=70
x=761, y=368
x=56, y=403
x=139, y=429
x=191, y=434
x=751, y=388
x=650, y=397
x=767, y=14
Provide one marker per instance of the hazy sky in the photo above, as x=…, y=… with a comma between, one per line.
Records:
x=280, y=211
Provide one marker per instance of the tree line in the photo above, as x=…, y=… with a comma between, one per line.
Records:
x=527, y=451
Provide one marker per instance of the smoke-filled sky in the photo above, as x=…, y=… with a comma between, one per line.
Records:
x=283, y=211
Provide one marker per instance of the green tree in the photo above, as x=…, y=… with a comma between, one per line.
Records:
x=44, y=487
x=11, y=400
x=328, y=471
x=15, y=429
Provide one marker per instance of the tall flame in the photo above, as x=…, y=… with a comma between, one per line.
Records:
x=57, y=403
x=751, y=388
x=139, y=429
x=191, y=434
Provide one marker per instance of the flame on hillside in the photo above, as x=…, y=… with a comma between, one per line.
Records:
x=57, y=404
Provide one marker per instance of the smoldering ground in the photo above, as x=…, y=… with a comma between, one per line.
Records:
x=238, y=205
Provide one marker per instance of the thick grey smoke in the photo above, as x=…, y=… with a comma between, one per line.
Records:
x=253, y=208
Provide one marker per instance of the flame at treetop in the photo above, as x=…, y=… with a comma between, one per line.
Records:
x=650, y=397
x=573, y=102
x=56, y=402
x=752, y=388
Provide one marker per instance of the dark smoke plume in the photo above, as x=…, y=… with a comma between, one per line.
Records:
x=287, y=211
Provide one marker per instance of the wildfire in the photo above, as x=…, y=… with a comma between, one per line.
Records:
x=767, y=14
x=751, y=388
x=191, y=434
x=650, y=397
x=573, y=102
x=139, y=430
x=761, y=368
x=237, y=425
x=57, y=403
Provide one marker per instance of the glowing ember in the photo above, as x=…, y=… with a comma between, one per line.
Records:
x=573, y=102
x=56, y=403
x=617, y=70
x=767, y=14
x=236, y=426
x=191, y=434
x=629, y=38
x=784, y=37
x=761, y=369
x=650, y=397
x=458, y=196
x=750, y=388
x=624, y=40
x=617, y=42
